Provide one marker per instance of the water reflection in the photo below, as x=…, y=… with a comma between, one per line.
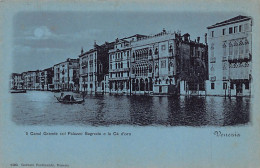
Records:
x=41, y=108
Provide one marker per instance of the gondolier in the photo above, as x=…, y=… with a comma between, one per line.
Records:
x=69, y=99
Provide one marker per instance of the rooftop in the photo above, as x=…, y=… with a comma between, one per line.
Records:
x=230, y=21
x=96, y=47
x=67, y=61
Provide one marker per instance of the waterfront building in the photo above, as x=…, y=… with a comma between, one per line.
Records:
x=192, y=72
x=230, y=57
x=24, y=83
x=93, y=68
x=16, y=81
x=47, y=83
x=31, y=80
x=66, y=75
x=159, y=63
x=106, y=83
x=153, y=64
x=42, y=79
x=119, y=64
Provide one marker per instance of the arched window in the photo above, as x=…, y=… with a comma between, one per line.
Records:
x=156, y=51
x=150, y=68
x=212, y=68
x=150, y=52
x=212, y=50
x=230, y=48
x=224, y=49
x=170, y=48
x=133, y=55
x=133, y=70
x=235, y=49
x=241, y=48
x=247, y=46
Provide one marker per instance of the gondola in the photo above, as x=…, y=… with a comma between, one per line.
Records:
x=69, y=99
x=17, y=91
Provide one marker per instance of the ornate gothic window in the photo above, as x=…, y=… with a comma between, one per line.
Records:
x=170, y=48
x=225, y=66
x=241, y=48
x=150, y=52
x=224, y=49
x=212, y=50
x=212, y=68
x=150, y=68
x=235, y=49
x=156, y=51
x=230, y=48
x=247, y=46
x=133, y=70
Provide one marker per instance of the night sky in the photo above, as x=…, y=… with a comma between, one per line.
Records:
x=42, y=39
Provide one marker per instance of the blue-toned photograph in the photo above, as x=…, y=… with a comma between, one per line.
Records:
x=128, y=68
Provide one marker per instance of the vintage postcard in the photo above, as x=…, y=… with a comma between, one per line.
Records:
x=131, y=84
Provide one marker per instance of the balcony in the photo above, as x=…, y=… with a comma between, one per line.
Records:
x=120, y=70
x=225, y=78
x=150, y=75
x=156, y=75
x=170, y=73
x=212, y=59
x=212, y=79
x=119, y=78
x=132, y=76
x=230, y=58
x=84, y=74
x=247, y=56
x=84, y=64
x=240, y=58
x=84, y=71
x=118, y=59
x=156, y=56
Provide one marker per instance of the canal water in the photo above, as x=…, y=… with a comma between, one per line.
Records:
x=42, y=108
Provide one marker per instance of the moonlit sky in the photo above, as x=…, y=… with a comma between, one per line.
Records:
x=42, y=39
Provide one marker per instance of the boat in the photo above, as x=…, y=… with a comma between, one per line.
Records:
x=18, y=91
x=69, y=99
x=55, y=90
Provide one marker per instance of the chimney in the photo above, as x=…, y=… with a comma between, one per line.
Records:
x=186, y=37
x=82, y=50
x=164, y=31
x=206, y=38
x=198, y=39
